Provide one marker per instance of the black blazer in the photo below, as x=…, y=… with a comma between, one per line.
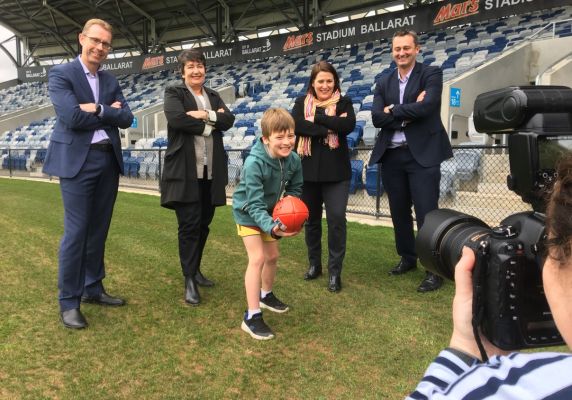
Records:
x=179, y=179
x=325, y=164
x=424, y=131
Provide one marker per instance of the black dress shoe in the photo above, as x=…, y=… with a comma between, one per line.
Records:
x=104, y=300
x=313, y=272
x=335, y=283
x=430, y=283
x=73, y=319
x=402, y=268
x=192, y=295
x=201, y=280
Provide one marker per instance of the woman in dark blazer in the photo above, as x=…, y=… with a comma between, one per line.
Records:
x=195, y=171
x=323, y=120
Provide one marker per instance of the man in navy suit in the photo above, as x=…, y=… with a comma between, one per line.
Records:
x=411, y=145
x=85, y=153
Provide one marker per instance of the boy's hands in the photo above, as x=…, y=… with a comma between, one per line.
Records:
x=280, y=230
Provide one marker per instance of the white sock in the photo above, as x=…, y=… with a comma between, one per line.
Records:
x=263, y=293
x=252, y=312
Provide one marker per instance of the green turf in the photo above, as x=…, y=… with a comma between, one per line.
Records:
x=372, y=340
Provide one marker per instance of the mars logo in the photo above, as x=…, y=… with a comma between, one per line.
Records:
x=153, y=62
x=298, y=41
x=451, y=12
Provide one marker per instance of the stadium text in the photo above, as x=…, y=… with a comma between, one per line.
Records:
x=36, y=74
x=246, y=49
x=395, y=23
x=489, y=4
x=171, y=60
x=117, y=65
x=337, y=34
x=218, y=53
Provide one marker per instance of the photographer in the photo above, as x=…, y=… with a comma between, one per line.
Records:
x=458, y=373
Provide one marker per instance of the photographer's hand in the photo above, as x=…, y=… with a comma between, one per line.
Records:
x=463, y=338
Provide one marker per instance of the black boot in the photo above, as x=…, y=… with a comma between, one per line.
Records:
x=335, y=283
x=192, y=296
x=201, y=280
x=313, y=272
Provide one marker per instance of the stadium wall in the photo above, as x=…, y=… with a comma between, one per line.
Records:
x=559, y=73
x=518, y=66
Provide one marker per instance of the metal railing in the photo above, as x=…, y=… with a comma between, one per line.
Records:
x=474, y=181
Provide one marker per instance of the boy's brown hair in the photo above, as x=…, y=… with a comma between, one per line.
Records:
x=276, y=120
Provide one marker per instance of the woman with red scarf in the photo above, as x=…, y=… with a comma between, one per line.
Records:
x=323, y=120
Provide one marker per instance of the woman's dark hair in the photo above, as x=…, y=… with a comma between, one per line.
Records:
x=559, y=214
x=191, y=55
x=323, y=66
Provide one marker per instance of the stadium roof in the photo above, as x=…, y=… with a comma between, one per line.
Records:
x=48, y=28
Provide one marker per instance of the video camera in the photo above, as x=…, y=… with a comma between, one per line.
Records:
x=509, y=305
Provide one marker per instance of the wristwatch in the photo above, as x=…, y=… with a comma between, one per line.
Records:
x=97, y=109
x=390, y=108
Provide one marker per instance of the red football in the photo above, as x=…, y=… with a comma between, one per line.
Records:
x=292, y=212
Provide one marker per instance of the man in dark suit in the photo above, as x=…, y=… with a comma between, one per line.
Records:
x=85, y=153
x=411, y=145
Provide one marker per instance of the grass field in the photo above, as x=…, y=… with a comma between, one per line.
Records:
x=374, y=339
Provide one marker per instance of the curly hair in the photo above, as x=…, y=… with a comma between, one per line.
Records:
x=559, y=214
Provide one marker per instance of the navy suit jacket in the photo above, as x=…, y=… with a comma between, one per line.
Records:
x=73, y=132
x=424, y=131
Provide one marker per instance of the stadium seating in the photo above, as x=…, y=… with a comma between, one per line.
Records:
x=277, y=82
x=356, y=181
x=371, y=181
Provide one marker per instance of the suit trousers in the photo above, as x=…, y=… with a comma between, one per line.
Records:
x=88, y=200
x=194, y=220
x=334, y=197
x=408, y=183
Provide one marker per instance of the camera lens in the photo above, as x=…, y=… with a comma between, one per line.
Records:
x=442, y=237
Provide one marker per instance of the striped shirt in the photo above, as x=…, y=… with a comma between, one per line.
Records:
x=518, y=376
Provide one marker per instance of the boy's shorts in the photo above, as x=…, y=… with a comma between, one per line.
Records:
x=253, y=230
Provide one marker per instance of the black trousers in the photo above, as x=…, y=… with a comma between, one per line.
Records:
x=334, y=197
x=194, y=220
x=407, y=183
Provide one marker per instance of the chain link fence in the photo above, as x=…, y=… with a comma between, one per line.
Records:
x=473, y=181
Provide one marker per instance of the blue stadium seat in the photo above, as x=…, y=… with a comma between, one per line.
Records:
x=372, y=178
x=447, y=185
x=356, y=181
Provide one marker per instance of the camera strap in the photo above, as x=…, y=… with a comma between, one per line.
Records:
x=478, y=305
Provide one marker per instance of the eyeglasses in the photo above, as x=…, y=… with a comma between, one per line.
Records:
x=97, y=42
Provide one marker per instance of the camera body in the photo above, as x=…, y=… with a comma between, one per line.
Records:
x=509, y=305
x=507, y=278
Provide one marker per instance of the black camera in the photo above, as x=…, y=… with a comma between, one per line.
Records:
x=509, y=305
